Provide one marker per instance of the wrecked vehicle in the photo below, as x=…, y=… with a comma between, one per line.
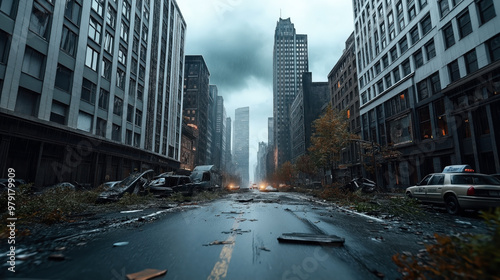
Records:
x=366, y=185
x=167, y=183
x=207, y=176
x=135, y=183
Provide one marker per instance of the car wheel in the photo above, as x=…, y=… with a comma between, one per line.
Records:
x=409, y=195
x=452, y=205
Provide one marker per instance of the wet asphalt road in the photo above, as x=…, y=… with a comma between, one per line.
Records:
x=179, y=242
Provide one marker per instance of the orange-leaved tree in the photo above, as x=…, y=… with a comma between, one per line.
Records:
x=331, y=134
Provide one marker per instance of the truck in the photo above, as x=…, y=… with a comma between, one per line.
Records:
x=208, y=176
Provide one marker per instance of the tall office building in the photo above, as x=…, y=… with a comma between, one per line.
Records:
x=290, y=60
x=429, y=77
x=228, y=157
x=219, y=143
x=242, y=143
x=98, y=82
x=196, y=103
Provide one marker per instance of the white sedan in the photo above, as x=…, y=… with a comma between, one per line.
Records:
x=458, y=191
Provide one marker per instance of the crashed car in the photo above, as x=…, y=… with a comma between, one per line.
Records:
x=168, y=183
x=458, y=188
x=135, y=183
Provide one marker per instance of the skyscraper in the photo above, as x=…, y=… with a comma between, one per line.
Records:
x=242, y=143
x=196, y=103
x=290, y=60
x=104, y=76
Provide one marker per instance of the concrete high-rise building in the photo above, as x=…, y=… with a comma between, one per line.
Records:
x=241, y=150
x=219, y=143
x=343, y=83
x=310, y=102
x=98, y=82
x=261, y=168
x=229, y=153
x=290, y=60
x=429, y=76
x=196, y=103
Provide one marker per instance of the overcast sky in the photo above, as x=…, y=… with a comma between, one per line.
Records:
x=236, y=39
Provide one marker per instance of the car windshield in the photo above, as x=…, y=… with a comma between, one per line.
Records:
x=469, y=179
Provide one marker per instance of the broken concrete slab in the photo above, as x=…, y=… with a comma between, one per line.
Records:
x=146, y=274
x=310, y=238
x=120, y=244
x=217, y=242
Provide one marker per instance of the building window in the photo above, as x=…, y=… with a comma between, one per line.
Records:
x=137, y=140
x=411, y=12
x=111, y=17
x=92, y=58
x=471, y=61
x=64, y=77
x=101, y=127
x=377, y=68
x=440, y=113
x=486, y=10
x=104, y=99
x=122, y=55
x=72, y=11
x=396, y=74
x=133, y=69
x=142, y=72
x=435, y=83
x=39, y=20
x=426, y=24
x=106, y=69
x=33, y=63
x=406, y=67
x=464, y=25
x=126, y=10
x=422, y=3
x=425, y=123
x=419, y=58
x=385, y=61
x=84, y=121
x=494, y=48
x=131, y=88
x=143, y=53
x=403, y=45
x=4, y=46
x=58, y=112
x=430, y=49
x=97, y=6
x=95, y=30
x=89, y=91
x=414, y=36
x=144, y=33
x=27, y=102
x=140, y=91
x=118, y=106
x=380, y=86
x=454, y=71
x=423, y=90
x=444, y=7
x=69, y=41
x=449, y=38
x=130, y=113
x=108, y=43
x=388, y=81
x=124, y=32
x=138, y=117
x=394, y=54
x=120, y=78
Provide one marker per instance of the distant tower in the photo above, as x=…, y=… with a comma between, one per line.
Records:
x=290, y=60
x=242, y=143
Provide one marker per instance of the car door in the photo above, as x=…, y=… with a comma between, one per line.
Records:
x=420, y=191
x=434, y=189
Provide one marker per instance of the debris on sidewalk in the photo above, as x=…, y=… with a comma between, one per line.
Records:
x=146, y=274
x=120, y=244
x=309, y=238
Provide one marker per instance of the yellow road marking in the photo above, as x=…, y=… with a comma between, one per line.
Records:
x=220, y=269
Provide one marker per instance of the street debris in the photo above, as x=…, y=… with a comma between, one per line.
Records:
x=146, y=274
x=217, y=242
x=24, y=257
x=237, y=231
x=253, y=220
x=309, y=238
x=265, y=249
x=244, y=200
x=57, y=257
x=120, y=244
x=130, y=211
x=234, y=213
